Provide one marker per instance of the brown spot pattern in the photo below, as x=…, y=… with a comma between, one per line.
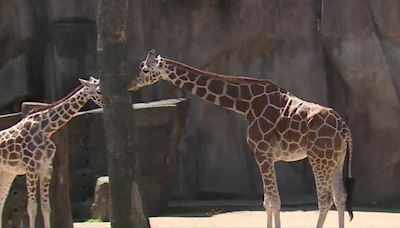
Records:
x=271, y=113
x=211, y=98
x=172, y=76
x=201, y=92
x=192, y=77
x=201, y=81
x=232, y=91
x=258, y=104
x=242, y=106
x=216, y=86
x=304, y=127
x=226, y=102
x=245, y=92
x=180, y=71
x=257, y=89
x=188, y=86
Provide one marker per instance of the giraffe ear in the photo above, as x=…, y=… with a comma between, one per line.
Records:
x=159, y=64
x=85, y=82
x=150, y=57
x=94, y=80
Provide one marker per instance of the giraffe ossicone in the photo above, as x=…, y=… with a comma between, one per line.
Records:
x=27, y=149
x=281, y=127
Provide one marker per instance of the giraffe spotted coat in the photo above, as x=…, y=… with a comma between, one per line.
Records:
x=27, y=149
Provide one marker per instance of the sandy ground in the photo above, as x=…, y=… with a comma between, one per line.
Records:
x=253, y=219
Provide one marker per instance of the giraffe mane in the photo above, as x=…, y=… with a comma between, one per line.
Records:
x=42, y=108
x=227, y=78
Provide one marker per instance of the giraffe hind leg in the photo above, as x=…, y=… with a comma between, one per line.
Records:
x=339, y=192
x=45, y=179
x=44, y=195
x=31, y=184
x=5, y=184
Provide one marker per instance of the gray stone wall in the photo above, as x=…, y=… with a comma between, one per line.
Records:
x=346, y=56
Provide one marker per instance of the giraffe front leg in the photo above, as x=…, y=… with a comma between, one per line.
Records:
x=44, y=194
x=272, y=202
x=5, y=184
x=31, y=184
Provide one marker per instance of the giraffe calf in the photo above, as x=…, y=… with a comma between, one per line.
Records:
x=27, y=149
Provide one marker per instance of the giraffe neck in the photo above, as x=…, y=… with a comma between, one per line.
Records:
x=55, y=117
x=234, y=93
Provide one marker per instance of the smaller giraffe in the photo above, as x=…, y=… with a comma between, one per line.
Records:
x=27, y=149
x=281, y=127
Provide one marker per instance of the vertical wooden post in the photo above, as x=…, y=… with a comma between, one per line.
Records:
x=61, y=216
x=112, y=51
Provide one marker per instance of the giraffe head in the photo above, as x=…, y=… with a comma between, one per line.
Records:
x=92, y=89
x=151, y=70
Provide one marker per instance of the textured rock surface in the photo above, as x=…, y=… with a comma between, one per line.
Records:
x=346, y=57
x=15, y=32
x=362, y=40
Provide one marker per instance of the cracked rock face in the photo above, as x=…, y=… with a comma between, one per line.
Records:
x=344, y=55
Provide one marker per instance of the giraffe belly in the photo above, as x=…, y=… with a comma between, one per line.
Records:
x=17, y=169
x=11, y=162
x=290, y=153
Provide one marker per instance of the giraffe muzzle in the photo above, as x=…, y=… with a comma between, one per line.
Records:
x=133, y=86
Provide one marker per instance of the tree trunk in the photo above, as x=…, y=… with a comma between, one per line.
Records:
x=124, y=173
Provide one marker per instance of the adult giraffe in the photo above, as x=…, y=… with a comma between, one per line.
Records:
x=281, y=126
x=27, y=149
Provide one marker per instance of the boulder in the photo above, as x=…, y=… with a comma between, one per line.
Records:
x=100, y=207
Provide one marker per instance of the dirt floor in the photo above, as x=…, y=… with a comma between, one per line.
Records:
x=253, y=219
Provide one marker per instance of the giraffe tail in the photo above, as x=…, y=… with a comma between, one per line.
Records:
x=350, y=181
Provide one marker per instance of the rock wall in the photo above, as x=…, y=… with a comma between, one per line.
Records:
x=45, y=46
x=344, y=55
x=361, y=41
